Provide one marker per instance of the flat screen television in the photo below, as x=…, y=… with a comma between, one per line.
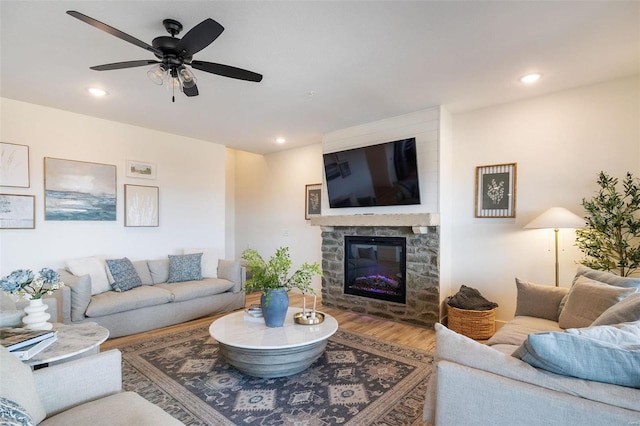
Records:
x=385, y=174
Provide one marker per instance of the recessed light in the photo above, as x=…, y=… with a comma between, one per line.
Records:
x=530, y=78
x=97, y=92
x=281, y=140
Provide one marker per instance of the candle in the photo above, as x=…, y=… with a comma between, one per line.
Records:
x=314, y=306
x=304, y=304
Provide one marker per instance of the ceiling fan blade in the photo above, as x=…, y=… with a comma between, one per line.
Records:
x=199, y=37
x=226, y=71
x=121, y=65
x=191, y=91
x=114, y=32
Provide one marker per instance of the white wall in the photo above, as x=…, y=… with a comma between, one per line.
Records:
x=560, y=142
x=191, y=178
x=270, y=204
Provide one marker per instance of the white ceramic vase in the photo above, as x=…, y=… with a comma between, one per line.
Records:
x=36, y=318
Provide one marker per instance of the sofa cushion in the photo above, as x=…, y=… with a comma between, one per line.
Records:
x=587, y=300
x=208, y=263
x=124, y=408
x=18, y=385
x=536, y=300
x=159, y=270
x=607, y=277
x=185, y=267
x=125, y=276
x=188, y=290
x=80, y=293
x=113, y=302
x=608, y=354
x=626, y=310
x=516, y=331
x=93, y=266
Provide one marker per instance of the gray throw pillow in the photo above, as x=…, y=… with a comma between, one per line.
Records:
x=185, y=267
x=124, y=274
x=608, y=354
x=159, y=270
x=626, y=310
x=540, y=301
x=587, y=300
x=80, y=293
x=607, y=277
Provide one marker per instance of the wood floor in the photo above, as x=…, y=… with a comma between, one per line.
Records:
x=400, y=333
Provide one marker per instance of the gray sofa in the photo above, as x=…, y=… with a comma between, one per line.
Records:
x=86, y=391
x=539, y=369
x=154, y=304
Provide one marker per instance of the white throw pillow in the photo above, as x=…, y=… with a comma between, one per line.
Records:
x=96, y=268
x=209, y=262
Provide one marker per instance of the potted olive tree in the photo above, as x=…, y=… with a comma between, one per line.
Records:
x=611, y=238
x=274, y=279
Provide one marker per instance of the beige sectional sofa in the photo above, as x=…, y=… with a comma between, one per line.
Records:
x=154, y=302
x=546, y=367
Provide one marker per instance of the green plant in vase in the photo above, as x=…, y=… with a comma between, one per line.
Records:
x=273, y=277
x=611, y=238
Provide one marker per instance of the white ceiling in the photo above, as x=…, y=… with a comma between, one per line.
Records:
x=326, y=65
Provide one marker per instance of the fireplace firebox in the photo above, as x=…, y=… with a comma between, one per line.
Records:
x=375, y=267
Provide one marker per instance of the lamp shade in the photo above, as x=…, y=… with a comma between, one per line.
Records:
x=555, y=218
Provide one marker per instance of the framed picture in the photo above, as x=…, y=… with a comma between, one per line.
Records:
x=14, y=165
x=17, y=211
x=141, y=205
x=141, y=169
x=78, y=190
x=496, y=190
x=312, y=200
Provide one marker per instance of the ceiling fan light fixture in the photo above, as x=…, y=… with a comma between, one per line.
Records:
x=186, y=77
x=530, y=78
x=158, y=73
x=97, y=92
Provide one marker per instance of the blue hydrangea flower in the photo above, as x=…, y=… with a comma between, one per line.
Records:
x=49, y=275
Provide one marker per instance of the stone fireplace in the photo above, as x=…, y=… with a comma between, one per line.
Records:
x=421, y=234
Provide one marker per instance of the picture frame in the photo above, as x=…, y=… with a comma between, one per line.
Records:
x=17, y=211
x=312, y=200
x=14, y=165
x=79, y=190
x=496, y=191
x=141, y=169
x=141, y=206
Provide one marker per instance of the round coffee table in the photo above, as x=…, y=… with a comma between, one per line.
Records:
x=261, y=351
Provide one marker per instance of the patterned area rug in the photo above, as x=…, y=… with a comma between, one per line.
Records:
x=359, y=381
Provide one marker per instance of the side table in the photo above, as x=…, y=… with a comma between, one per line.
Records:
x=74, y=341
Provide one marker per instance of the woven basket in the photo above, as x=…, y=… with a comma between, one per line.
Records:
x=478, y=325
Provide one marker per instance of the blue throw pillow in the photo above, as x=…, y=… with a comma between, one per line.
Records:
x=124, y=274
x=13, y=414
x=608, y=354
x=185, y=267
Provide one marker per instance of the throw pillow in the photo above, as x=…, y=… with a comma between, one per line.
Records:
x=185, y=267
x=13, y=414
x=19, y=386
x=626, y=310
x=540, y=301
x=587, y=300
x=159, y=270
x=95, y=268
x=209, y=262
x=607, y=277
x=80, y=293
x=124, y=274
x=608, y=356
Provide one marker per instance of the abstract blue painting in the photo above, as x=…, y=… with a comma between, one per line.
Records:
x=78, y=190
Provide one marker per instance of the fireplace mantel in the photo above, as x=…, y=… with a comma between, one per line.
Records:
x=417, y=221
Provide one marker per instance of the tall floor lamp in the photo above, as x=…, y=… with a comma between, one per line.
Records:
x=556, y=218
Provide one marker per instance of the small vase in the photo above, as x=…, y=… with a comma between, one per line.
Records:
x=275, y=303
x=36, y=318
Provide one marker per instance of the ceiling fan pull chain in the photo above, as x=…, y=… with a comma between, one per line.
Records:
x=173, y=91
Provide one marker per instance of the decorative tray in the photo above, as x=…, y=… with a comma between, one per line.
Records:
x=307, y=318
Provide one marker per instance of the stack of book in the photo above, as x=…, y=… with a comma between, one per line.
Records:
x=25, y=343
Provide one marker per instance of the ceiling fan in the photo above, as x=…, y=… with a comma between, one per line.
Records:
x=173, y=54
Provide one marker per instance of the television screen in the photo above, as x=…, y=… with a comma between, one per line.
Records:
x=376, y=175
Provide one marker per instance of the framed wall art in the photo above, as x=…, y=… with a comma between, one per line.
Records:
x=496, y=191
x=78, y=190
x=141, y=205
x=14, y=165
x=141, y=169
x=17, y=211
x=312, y=200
